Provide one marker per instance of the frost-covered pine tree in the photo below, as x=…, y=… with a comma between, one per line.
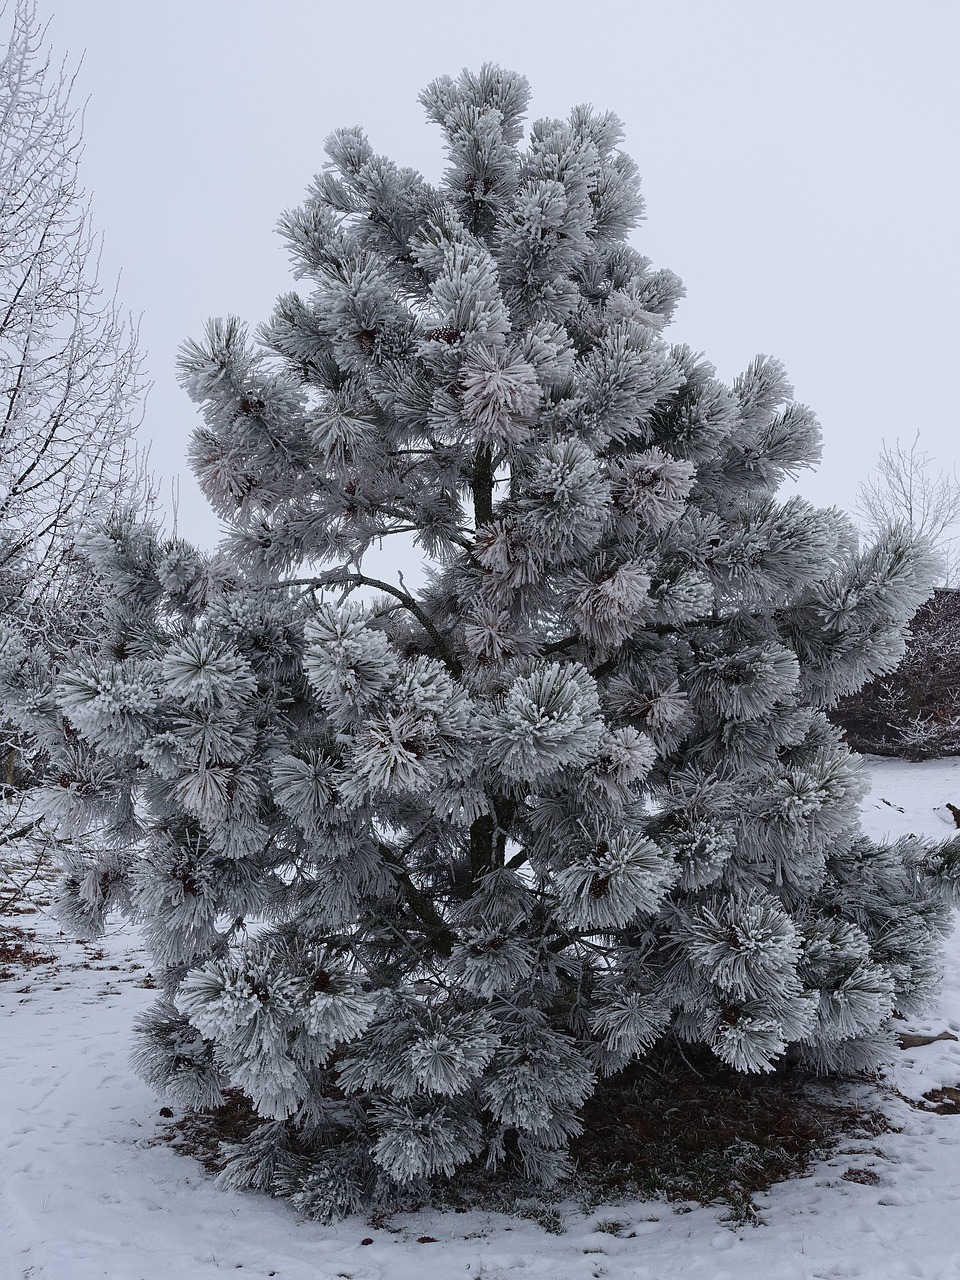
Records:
x=421, y=867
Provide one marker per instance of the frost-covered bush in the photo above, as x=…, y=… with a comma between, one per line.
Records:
x=423, y=866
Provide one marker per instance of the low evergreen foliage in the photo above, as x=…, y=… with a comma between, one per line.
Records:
x=421, y=866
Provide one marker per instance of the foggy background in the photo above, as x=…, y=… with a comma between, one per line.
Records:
x=799, y=161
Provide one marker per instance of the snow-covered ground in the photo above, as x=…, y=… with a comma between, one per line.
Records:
x=86, y=1191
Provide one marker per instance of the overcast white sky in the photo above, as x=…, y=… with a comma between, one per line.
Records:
x=799, y=161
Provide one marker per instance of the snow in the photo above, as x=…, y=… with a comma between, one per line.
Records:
x=88, y=1191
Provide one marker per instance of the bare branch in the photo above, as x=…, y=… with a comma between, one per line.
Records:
x=69, y=368
x=906, y=487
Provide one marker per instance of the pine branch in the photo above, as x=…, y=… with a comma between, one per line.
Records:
x=339, y=578
x=20, y=832
x=436, y=927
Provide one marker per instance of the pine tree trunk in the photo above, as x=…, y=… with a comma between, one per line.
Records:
x=488, y=838
x=483, y=487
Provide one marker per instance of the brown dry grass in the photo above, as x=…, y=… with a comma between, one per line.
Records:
x=668, y=1129
x=200, y=1133
x=694, y=1131
x=18, y=952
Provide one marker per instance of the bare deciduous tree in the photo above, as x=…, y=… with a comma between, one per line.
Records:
x=907, y=487
x=68, y=358
x=69, y=393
